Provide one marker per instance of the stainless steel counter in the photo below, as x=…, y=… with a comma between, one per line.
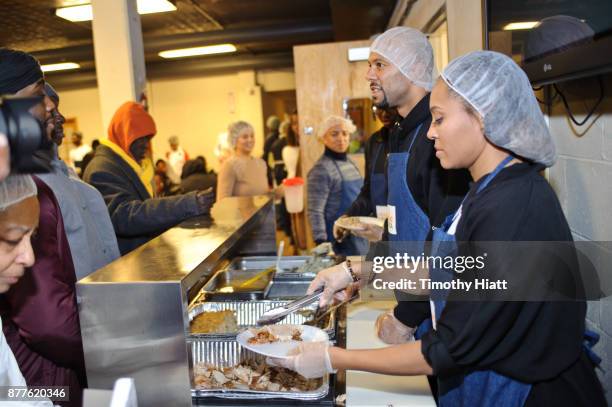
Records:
x=133, y=312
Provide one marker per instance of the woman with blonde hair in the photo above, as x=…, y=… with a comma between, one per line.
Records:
x=242, y=174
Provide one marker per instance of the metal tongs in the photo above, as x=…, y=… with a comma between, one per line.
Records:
x=275, y=315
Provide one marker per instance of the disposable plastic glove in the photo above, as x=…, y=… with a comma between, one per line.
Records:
x=310, y=359
x=322, y=249
x=339, y=232
x=332, y=279
x=371, y=232
x=391, y=331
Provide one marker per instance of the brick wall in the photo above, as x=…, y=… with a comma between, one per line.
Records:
x=582, y=178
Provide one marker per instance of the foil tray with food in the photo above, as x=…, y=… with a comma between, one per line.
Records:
x=226, y=318
x=222, y=368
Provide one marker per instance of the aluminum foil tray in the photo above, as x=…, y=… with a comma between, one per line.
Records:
x=247, y=313
x=227, y=353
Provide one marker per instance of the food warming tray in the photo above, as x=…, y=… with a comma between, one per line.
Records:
x=226, y=352
x=292, y=282
x=247, y=313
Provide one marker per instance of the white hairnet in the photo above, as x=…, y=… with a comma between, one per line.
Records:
x=409, y=50
x=14, y=189
x=498, y=89
x=332, y=121
x=234, y=130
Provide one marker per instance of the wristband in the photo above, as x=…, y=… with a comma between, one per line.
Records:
x=347, y=267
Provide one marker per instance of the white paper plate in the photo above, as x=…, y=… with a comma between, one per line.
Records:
x=281, y=348
x=358, y=222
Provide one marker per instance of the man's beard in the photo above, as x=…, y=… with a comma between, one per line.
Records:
x=383, y=104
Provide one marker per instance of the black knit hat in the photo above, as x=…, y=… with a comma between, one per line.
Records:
x=17, y=70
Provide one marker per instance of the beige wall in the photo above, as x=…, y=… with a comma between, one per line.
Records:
x=195, y=109
x=198, y=109
x=84, y=105
x=464, y=19
x=324, y=77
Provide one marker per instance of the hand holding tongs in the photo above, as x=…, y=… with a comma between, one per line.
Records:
x=275, y=315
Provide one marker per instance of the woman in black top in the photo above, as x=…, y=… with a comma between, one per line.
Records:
x=484, y=353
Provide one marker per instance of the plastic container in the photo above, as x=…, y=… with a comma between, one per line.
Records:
x=294, y=194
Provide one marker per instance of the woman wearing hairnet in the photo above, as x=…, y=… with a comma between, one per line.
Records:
x=486, y=119
x=19, y=212
x=333, y=184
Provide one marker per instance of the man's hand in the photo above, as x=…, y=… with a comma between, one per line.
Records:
x=205, y=200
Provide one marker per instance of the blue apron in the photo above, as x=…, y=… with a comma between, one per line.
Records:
x=350, y=245
x=482, y=387
x=378, y=183
x=411, y=223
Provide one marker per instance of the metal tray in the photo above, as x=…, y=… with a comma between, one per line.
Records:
x=286, y=288
x=226, y=353
x=288, y=264
x=226, y=285
x=247, y=313
x=289, y=283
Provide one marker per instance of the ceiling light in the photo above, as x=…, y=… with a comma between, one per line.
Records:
x=358, y=54
x=523, y=25
x=84, y=12
x=189, y=52
x=75, y=13
x=154, y=6
x=60, y=67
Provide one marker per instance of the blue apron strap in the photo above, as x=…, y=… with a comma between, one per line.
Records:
x=496, y=171
x=375, y=157
x=590, y=339
x=414, y=136
x=451, y=218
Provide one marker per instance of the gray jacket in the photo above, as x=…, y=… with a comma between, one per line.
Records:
x=87, y=225
x=325, y=192
x=136, y=216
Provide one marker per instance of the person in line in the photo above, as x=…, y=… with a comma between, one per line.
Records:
x=78, y=152
x=273, y=124
x=520, y=353
x=87, y=158
x=117, y=173
x=195, y=176
x=71, y=211
x=291, y=152
x=242, y=174
x=177, y=157
x=19, y=212
x=333, y=184
x=163, y=184
x=41, y=324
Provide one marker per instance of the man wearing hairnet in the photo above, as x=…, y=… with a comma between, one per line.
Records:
x=419, y=191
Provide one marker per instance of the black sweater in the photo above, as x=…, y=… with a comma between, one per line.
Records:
x=436, y=191
x=533, y=342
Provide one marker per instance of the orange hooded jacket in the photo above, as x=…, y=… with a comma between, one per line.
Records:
x=129, y=123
